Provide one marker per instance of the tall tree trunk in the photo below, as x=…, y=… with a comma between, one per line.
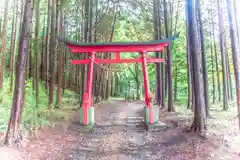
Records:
x=163, y=82
x=216, y=59
x=112, y=84
x=212, y=64
x=85, y=35
x=223, y=56
x=190, y=95
x=110, y=55
x=199, y=121
x=60, y=62
x=30, y=62
x=204, y=61
x=176, y=68
x=42, y=51
x=52, y=53
x=175, y=82
x=229, y=78
x=65, y=65
x=13, y=131
x=236, y=21
x=12, y=48
x=0, y=24
x=4, y=43
x=157, y=33
x=37, y=17
x=236, y=57
x=46, y=50
x=138, y=82
x=169, y=58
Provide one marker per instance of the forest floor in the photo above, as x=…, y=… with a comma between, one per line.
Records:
x=119, y=134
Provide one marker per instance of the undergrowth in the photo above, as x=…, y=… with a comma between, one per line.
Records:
x=33, y=117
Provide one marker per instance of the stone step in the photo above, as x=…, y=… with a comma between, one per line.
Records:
x=91, y=145
x=146, y=155
x=132, y=114
x=86, y=149
x=131, y=125
x=146, y=158
x=78, y=155
x=114, y=115
x=93, y=137
x=95, y=140
x=135, y=156
x=135, y=129
x=134, y=117
x=133, y=121
x=105, y=123
x=121, y=157
x=157, y=127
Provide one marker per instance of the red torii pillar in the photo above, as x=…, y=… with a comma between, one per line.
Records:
x=87, y=97
x=87, y=111
x=148, y=95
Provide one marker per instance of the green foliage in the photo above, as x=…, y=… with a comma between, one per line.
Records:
x=30, y=111
x=33, y=116
x=5, y=105
x=139, y=27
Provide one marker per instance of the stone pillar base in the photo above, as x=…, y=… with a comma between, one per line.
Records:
x=147, y=114
x=90, y=116
x=157, y=125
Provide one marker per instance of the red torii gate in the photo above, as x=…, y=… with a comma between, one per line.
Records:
x=93, y=48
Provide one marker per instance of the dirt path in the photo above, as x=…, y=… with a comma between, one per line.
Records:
x=119, y=134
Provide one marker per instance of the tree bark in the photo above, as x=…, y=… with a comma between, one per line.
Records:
x=169, y=59
x=236, y=57
x=4, y=43
x=223, y=55
x=37, y=17
x=52, y=54
x=175, y=83
x=229, y=78
x=13, y=131
x=163, y=82
x=46, y=57
x=86, y=36
x=12, y=48
x=42, y=51
x=157, y=33
x=204, y=61
x=190, y=100
x=199, y=121
x=216, y=59
x=60, y=63
x=213, y=71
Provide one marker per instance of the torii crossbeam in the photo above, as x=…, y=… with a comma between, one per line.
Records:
x=87, y=111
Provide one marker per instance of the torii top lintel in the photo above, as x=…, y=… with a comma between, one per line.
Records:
x=146, y=46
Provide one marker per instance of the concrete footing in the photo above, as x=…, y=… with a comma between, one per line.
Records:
x=155, y=114
x=156, y=127
x=90, y=116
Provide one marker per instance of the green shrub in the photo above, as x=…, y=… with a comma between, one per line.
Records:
x=33, y=116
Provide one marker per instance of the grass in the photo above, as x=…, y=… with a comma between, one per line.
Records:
x=33, y=117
